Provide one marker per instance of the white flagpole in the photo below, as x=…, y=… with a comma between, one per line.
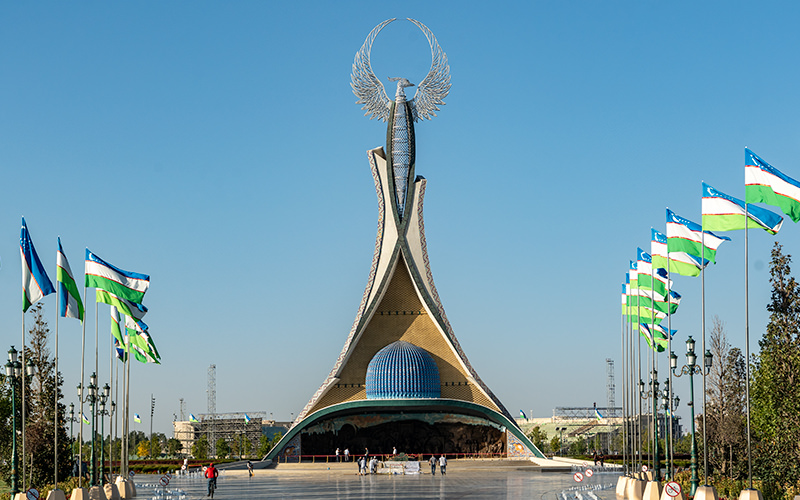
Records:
x=624, y=405
x=747, y=346
x=55, y=404
x=702, y=357
x=22, y=403
x=669, y=348
x=80, y=393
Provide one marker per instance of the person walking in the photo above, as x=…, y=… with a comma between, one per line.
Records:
x=337, y=455
x=250, y=468
x=362, y=466
x=347, y=454
x=432, y=461
x=442, y=464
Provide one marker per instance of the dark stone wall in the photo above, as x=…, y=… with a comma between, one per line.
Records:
x=409, y=436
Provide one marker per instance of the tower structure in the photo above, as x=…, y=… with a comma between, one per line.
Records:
x=402, y=379
x=212, y=407
x=611, y=388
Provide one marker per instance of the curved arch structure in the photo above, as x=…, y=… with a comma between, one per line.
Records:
x=400, y=303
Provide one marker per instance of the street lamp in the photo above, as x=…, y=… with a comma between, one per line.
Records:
x=653, y=393
x=561, y=439
x=71, y=419
x=13, y=372
x=103, y=398
x=92, y=399
x=691, y=368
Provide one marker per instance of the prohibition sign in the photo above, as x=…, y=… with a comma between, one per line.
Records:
x=32, y=494
x=131, y=473
x=589, y=472
x=164, y=481
x=673, y=489
x=578, y=477
x=644, y=468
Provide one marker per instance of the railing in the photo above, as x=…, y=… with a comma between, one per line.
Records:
x=294, y=459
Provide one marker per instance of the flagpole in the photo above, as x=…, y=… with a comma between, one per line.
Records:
x=55, y=397
x=639, y=365
x=703, y=328
x=624, y=405
x=80, y=393
x=119, y=409
x=670, y=456
x=111, y=397
x=22, y=403
x=747, y=346
x=127, y=405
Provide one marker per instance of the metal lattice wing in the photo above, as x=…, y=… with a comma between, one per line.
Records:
x=365, y=84
x=436, y=85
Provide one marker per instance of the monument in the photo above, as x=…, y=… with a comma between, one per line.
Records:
x=402, y=380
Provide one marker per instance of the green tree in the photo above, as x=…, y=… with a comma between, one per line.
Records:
x=555, y=444
x=223, y=449
x=156, y=444
x=775, y=405
x=200, y=448
x=174, y=447
x=538, y=437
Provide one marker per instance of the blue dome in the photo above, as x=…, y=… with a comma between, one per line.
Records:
x=403, y=371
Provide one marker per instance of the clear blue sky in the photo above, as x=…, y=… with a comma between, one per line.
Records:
x=217, y=147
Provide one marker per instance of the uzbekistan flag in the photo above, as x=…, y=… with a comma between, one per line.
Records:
x=85, y=420
x=649, y=278
x=192, y=418
x=634, y=274
x=726, y=213
x=126, y=307
x=522, y=414
x=598, y=415
x=624, y=300
x=137, y=418
x=656, y=340
x=119, y=350
x=70, y=304
x=246, y=419
x=643, y=314
x=35, y=283
x=688, y=237
x=658, y=248
x=764, y=183
x=103, y=276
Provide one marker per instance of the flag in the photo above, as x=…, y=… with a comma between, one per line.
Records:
x=119, y=350
x=35, y=283
x=140, y=340
x=624, y=299
x=655, y=339
x=764, y=183
x=85, y=420
x=688, y=237
x=126, y=307
x=663, y=331
x=192, y=418
x=598, y=415
x=648, y=298
x=246, y=419
x=649, y=278
x=125, y=284
x=137, y=418
x=634, y=274
x=658, y=248
x=522, y=414
x=643, y=314
x=726, y=213
x=120, y=339
x=70, y=305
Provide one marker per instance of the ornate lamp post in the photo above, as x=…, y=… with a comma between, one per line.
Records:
x=103, y=398
x=653, y=393
x=91, y=398
x=71, y=420
x=561, y=439
x=691, y=368
x=13, y=372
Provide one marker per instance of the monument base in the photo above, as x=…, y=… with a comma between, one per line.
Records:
x=79, y=494
x=56, y=495
x=751, y=494
x=706, y=492
x=635, y=489
x=652, y=491
x=622, y=484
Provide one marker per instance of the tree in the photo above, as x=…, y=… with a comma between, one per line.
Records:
x=555, y=444
x=200, y=448
x=174, y=447
x=143, y=449
x=155, y=445
x=725, y=400
x=538, y=437
x=775, y=400
x=41, y=391
x=223, y=449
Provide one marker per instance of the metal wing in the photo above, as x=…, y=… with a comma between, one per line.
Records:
x=436, y=85
x=365, y=84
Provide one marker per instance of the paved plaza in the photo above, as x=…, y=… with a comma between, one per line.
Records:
x=467, y=483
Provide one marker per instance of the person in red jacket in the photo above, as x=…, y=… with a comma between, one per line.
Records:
x=212, y=473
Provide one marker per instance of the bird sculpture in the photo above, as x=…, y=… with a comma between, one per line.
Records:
x=400, y=113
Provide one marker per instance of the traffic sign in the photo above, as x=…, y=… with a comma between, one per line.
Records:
x=644, y=468
x=183, y=467
x=131, y=473
x=32, y=494
x=164, y=481
x=673, y=489
x=578, y=477
x=589, y=472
